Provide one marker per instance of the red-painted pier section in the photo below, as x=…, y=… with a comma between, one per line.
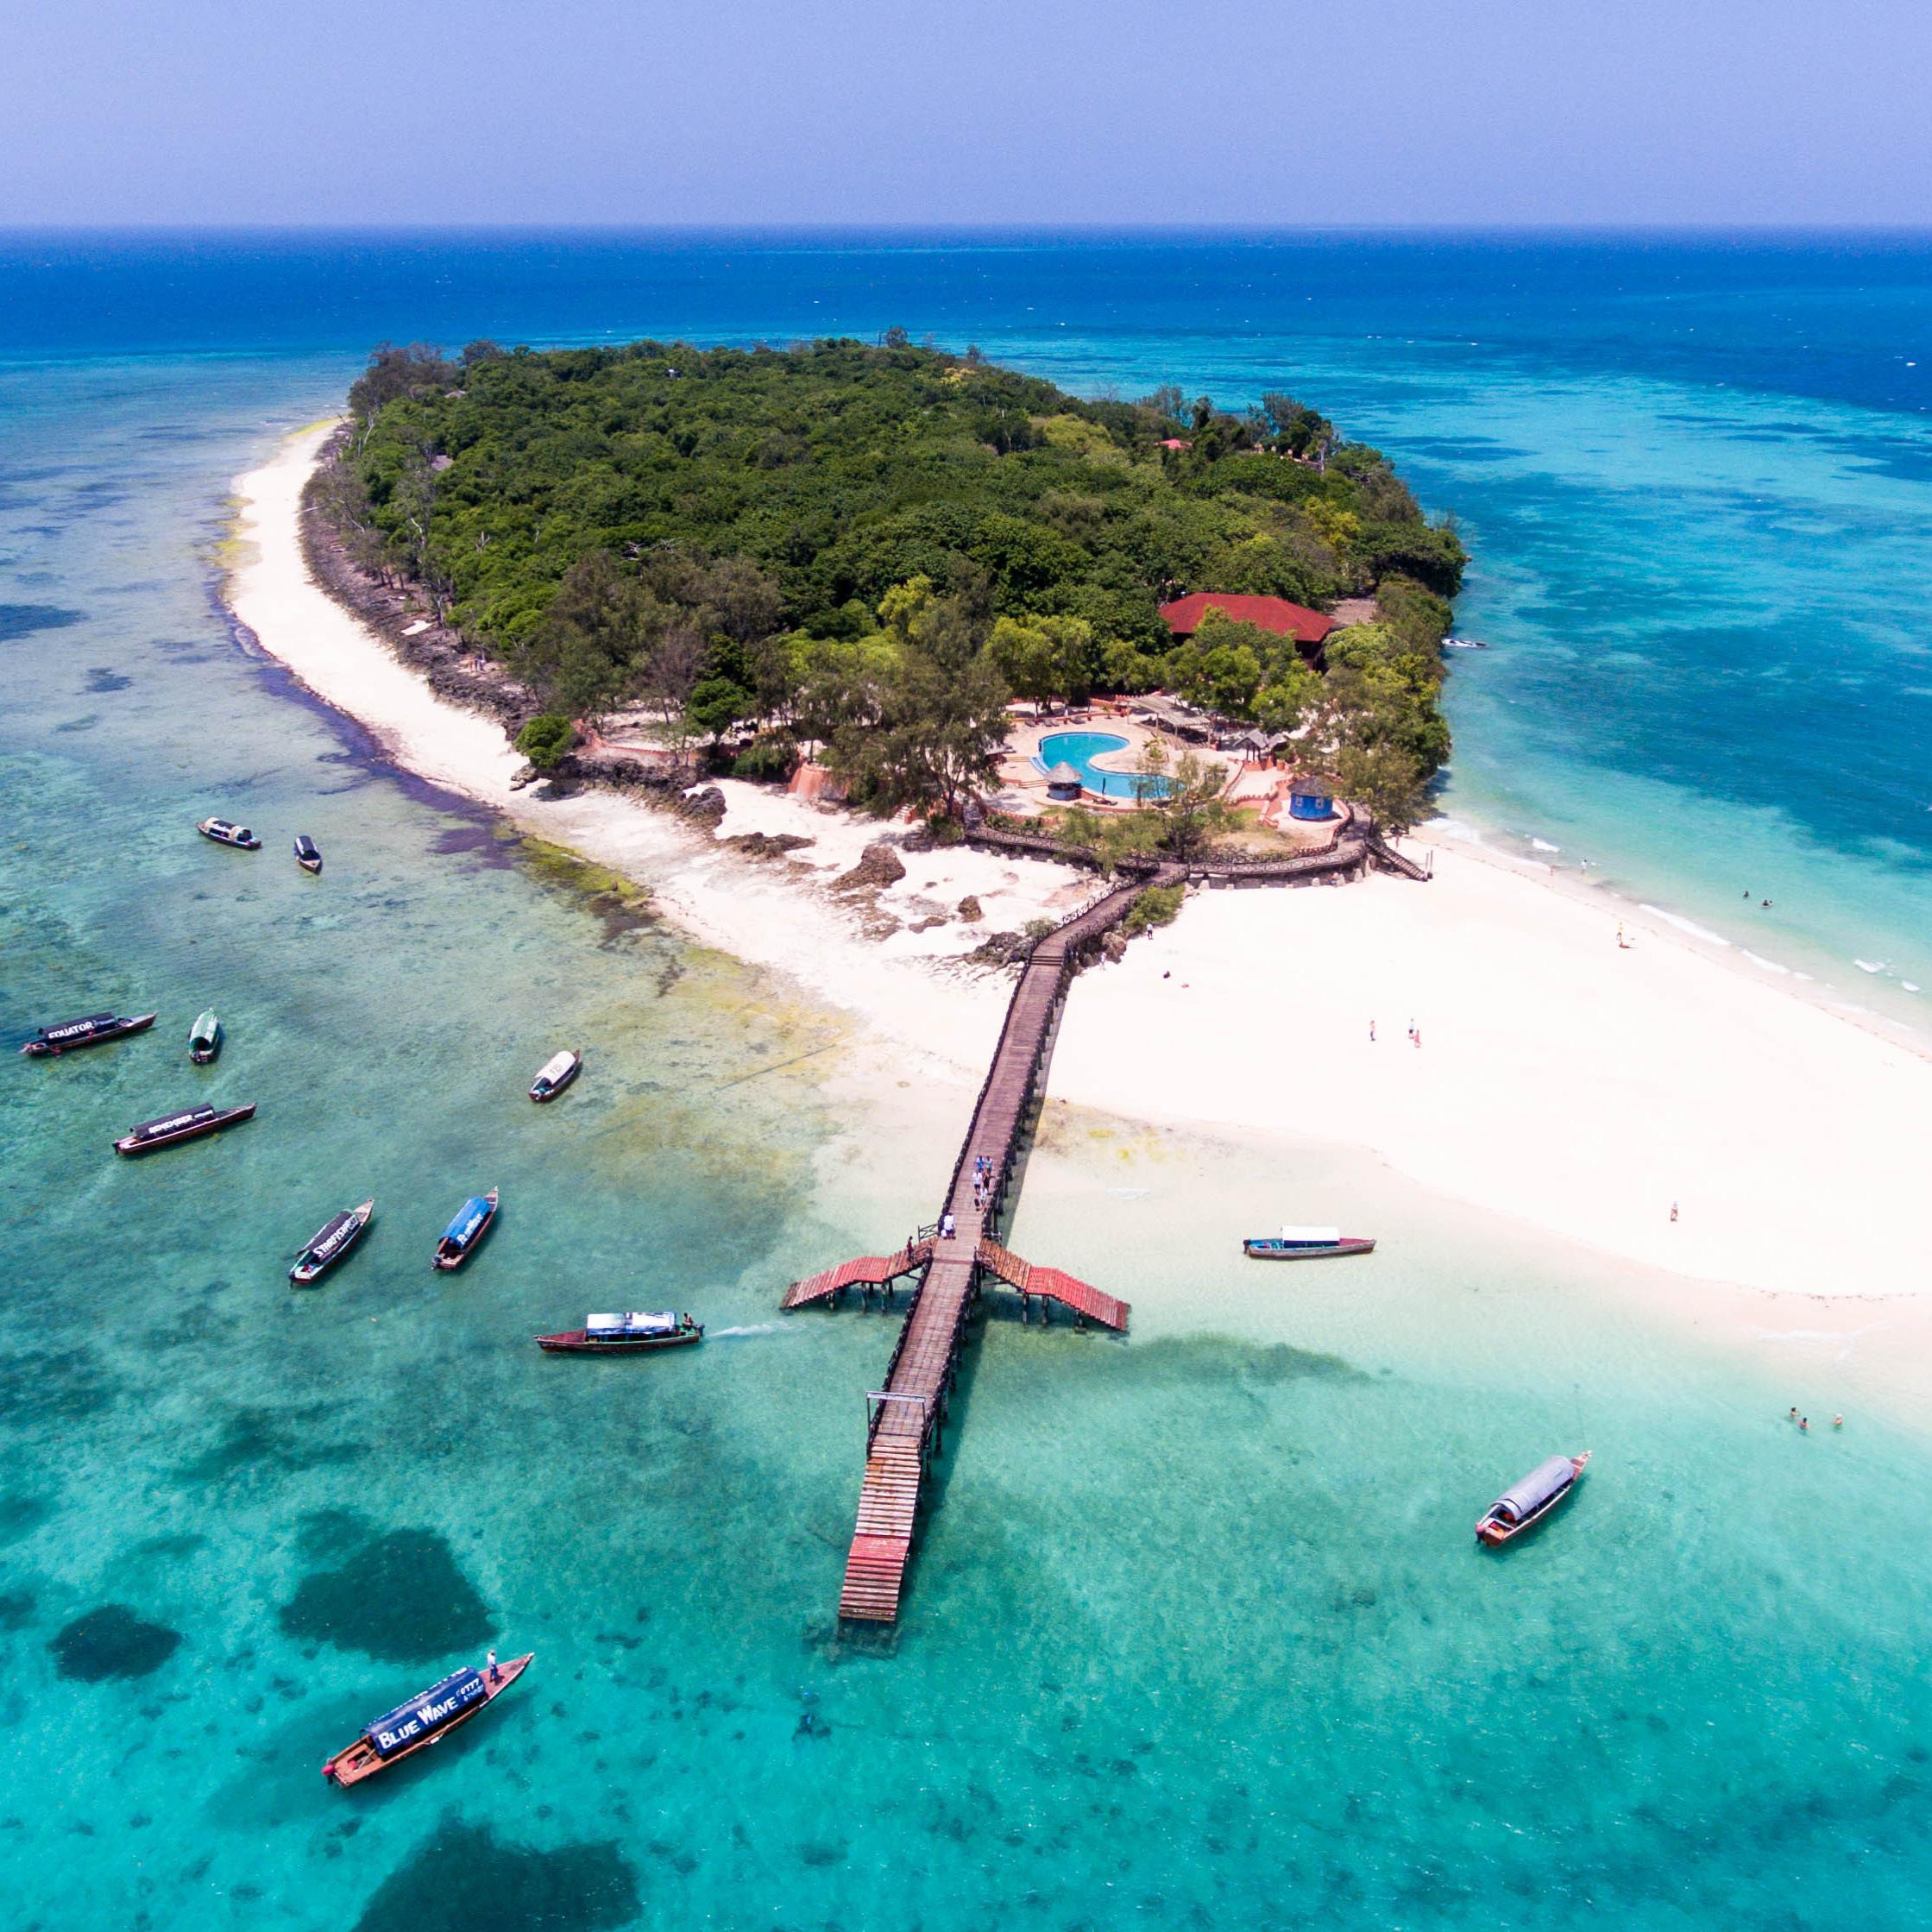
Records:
x=906, y=1415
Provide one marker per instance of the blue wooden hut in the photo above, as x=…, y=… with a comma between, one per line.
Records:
x=1310, y=798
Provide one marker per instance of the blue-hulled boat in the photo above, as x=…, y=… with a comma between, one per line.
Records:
x=461, y=1237
x=1306, y=1244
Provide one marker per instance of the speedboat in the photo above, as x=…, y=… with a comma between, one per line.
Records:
x=173, y=1128
x=307, y=856
x=330, y=1243
x=1306, y=1244
x=624, y=1334
x=472, y=1223
x=1525, y=1504
x=225, y=832
x=426, y=1719
x=204, y=1040
x=557, y=1073
x=52, y=1041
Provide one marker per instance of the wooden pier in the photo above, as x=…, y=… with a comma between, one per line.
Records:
x=906, y=1416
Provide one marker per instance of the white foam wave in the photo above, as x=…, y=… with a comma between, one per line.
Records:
x=1685, y=925
x=1544, y=845
x=749, y=1328
x=1870, y=966
x=1910, y=985
x=1769, y=966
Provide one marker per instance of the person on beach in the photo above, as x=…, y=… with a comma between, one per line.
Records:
x=1673, y=1211
x=1794, y=1411
x=1837, y=1422
x=1371, y=1033
x=1804, y=1424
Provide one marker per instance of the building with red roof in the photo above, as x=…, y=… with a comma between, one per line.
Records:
x=1309, y=628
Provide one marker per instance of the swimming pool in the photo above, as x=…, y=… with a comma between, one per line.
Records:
x=1080, y=748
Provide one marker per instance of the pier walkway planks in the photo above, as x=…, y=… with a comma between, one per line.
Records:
x=906, y=1415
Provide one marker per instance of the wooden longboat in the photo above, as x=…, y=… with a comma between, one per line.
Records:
x=173, y=1128
x=330, y=1243
x=226, y=831
x=555, y=1074
x=1524, y=1504
x=307, y=854
x=204, y=1039
x=95, y=1031
x=1306, y=1244
x=624, y=1335
x=461, y=1238
x=426, y=1719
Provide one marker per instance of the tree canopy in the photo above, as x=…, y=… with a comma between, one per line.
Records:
x=720, y=535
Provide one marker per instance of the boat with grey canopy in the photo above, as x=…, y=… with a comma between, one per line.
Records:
x=1526, y=1503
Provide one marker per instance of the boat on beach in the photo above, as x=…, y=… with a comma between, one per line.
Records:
x=172, y=1129
x=225, y=832
x=557, y=1073
x=426, y=1719
x=460, y=1238
x=330, y=1243
x=630, y=1334
x=204, y=1039
x=307, y=855
x=1524, y=1504
x=95, y=1031
x=1306, y=1244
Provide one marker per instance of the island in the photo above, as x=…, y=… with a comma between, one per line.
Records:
x=881, y=561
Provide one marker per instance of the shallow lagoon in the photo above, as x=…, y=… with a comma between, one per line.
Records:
x=1197, y=1634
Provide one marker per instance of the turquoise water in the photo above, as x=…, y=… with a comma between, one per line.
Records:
x=1197, y=1634
x=1080, y=748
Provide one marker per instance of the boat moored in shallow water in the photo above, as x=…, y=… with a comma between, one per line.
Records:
x=307, y=855
x=556, y=1074
x=172, y=1129
x=624, y=1335
x=1306, y=1244
x=204, y=1039
x=1524, y=1504
x=225, y=832
x=426, y=1719
x=460, y=1238
x=330, y=1243
x=97, y=1028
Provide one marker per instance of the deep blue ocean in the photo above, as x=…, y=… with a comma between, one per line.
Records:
x=1196, y=1637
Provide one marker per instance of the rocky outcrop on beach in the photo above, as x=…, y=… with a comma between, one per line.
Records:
x=878, y=866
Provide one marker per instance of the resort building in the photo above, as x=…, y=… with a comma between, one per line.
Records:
x=1309, y=628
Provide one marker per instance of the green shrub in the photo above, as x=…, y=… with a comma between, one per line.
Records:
x=546, y=738
x=1159, y=905
x=767, y=761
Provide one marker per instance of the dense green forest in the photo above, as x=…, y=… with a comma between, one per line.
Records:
x=875, y=547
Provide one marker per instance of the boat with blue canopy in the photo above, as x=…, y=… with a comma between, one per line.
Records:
x=472, y=1223
x=1306, y=1244
x=50, y=1041
x=427, y=1718
x=626, y=1334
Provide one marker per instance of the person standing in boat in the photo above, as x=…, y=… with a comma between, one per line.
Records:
x=490, y=1665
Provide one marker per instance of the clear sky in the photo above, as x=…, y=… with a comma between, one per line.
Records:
x=1056, y=111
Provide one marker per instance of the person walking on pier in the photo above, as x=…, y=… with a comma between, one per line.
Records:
x=946, y=1227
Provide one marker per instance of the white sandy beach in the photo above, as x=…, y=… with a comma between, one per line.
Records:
x=1562, y=1081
